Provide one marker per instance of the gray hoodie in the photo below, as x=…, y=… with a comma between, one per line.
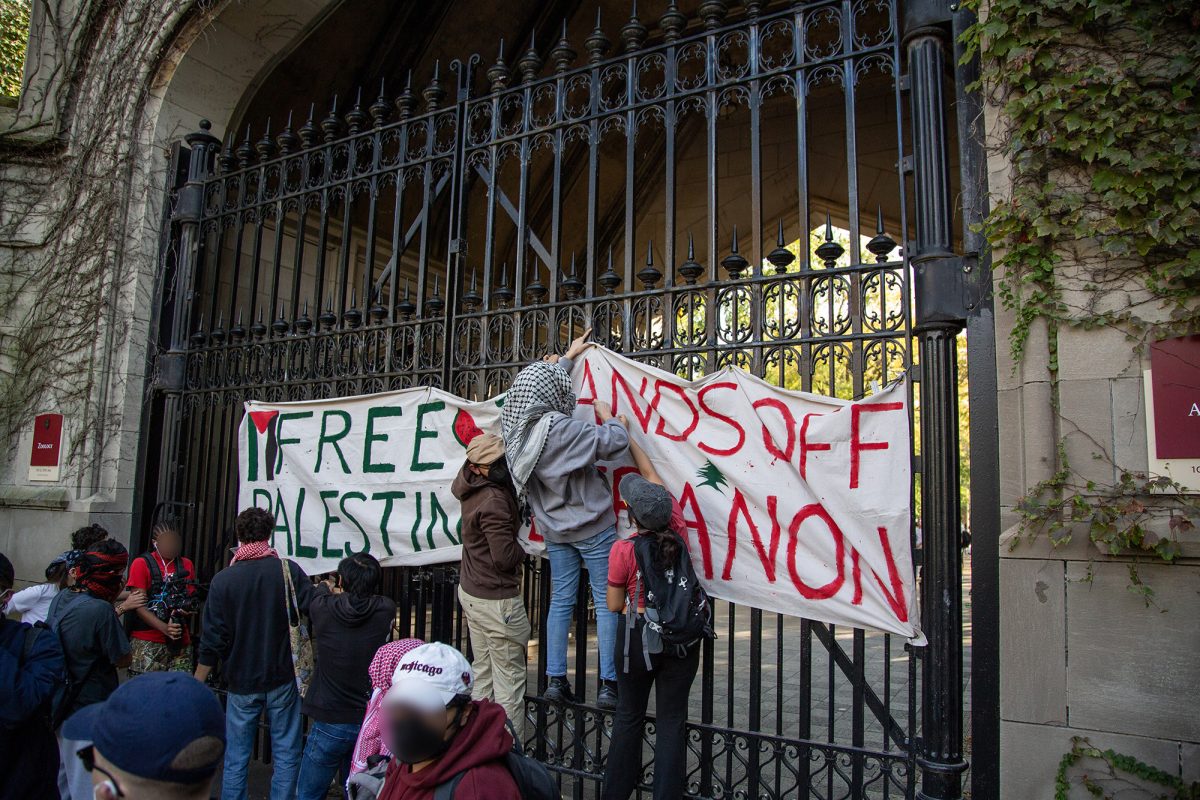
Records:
x=570, y=498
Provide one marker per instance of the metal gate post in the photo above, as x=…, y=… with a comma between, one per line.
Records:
x=170, y=366
x=940, y=316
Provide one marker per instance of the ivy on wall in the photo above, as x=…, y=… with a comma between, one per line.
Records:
x=1101, y=224
x=14, y=34
x=1103, y=136
x=1116, y=775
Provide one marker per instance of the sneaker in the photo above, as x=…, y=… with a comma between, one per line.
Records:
x=606, y=698
x=559, y=690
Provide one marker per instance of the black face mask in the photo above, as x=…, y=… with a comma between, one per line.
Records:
x=498, y=473
x=413, y=741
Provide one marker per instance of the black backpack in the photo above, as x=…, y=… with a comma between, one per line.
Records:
x=678, y=609
x=534, y=781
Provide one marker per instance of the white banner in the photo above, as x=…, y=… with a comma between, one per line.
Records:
x=794, y=502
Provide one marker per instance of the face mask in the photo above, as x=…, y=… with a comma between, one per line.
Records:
x=413, y=741
x=498, y=473
x=4, y=598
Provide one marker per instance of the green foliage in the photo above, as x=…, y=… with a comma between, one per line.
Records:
x=1100, y=98
x=1116, y=767
x=14, y=36
x=1102, y=224
x=1117, y=517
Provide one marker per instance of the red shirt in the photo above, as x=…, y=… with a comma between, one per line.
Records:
x=139, y=578
x=622, y=563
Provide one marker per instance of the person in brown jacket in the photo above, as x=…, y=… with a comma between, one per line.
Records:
x=490, y=576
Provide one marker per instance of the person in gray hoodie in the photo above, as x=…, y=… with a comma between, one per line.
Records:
x=349, y=623
x=552, y=459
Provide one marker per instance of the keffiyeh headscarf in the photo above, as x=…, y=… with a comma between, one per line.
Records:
x=538, y=397
x=102, y=574
x=370, y=737
x=253, y=550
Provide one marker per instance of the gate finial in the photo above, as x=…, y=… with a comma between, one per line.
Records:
x=780, y=257
x=530, y=62
x=562, y=55
x=691, y=269
x=596, y=43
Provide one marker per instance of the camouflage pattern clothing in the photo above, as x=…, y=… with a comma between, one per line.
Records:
x=157, y=657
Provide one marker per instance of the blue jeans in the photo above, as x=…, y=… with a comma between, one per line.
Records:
x=328, y=748
x=565, y=563
x=241, y=724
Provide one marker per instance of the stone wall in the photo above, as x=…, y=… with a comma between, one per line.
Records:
x=192, y=59
x=1081, y=654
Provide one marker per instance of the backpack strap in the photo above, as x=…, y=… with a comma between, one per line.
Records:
x=445, y=791
x=31, y=637
x=631, y=617
x=156, y=575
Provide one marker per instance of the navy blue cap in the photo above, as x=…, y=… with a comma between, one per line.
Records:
x=158, y=726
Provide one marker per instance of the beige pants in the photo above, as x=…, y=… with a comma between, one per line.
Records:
x=499, y=633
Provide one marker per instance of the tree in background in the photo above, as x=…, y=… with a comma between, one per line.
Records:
x=14, y=36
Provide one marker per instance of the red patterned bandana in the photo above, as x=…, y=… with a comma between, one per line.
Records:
x=102, y=574
x=253, y=550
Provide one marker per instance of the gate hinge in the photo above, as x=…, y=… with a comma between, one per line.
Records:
x=189, y=203
x=941, y=289
x=905, y=83
x=169, y=371
x=458, y=246
x=906, y=165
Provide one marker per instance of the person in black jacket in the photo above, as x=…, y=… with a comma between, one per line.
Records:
x=245, y=627
x=349, y=623
x=31, y=670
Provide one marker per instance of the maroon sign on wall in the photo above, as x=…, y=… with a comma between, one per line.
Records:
x=1175, y=380
x=47, y=444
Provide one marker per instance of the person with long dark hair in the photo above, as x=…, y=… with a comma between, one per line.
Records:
x=349, y=623
x=642, y=666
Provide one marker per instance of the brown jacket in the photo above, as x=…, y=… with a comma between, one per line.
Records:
x=491, y=555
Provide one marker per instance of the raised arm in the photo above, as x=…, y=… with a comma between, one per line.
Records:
x=643, y=462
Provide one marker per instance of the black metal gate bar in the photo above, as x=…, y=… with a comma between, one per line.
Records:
x=472, y=276
x=940, y=313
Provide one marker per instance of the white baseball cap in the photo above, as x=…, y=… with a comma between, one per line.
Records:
x=429, y=677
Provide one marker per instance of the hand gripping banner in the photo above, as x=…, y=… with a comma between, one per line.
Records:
x=793, y=502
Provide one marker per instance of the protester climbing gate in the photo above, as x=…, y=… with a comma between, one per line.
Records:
x=792, y=502
x=719, y=191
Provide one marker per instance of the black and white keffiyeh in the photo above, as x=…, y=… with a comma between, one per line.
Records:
x=540, y=395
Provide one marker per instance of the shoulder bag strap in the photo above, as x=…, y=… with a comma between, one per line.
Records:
x=445, y=791
x=289, y=595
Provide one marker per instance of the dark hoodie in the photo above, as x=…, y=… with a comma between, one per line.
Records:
x=491, y=556
x=347, y=630
x=478, y=751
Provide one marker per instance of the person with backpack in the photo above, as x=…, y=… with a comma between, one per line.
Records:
x=666, y=616
x=446, y=746
x=552, y=458
x=349, y=621
x=159, y=639
x=31, y=669
x=246, y=627
x=94, y=647
x=490, y=576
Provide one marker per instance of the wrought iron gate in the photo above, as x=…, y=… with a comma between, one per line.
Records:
x=666, y=195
